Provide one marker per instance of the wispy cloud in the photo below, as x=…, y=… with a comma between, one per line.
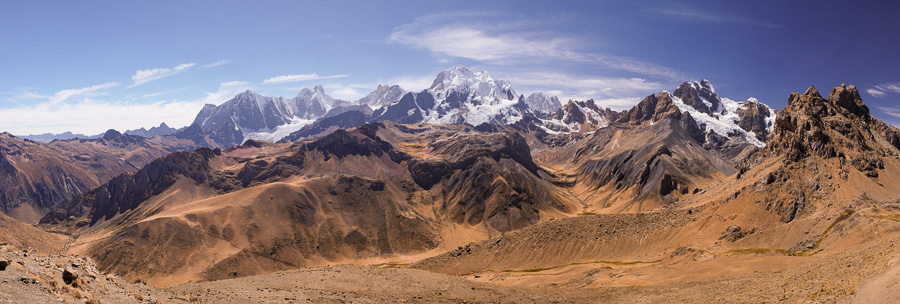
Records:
x=884, y=89
x=298, y=77
x=889, y=111
x=875, y=92
x=144, y=76
x=509, y=42
x=477, y=44
x=608, y=85
x=234, y=83
x=93, y=117
x=25, y=94
x=616, y=93
x=63, y=95
x=215, y=64
x=893, y=112
x=345, y=92
x=162, y=93
x=226, y=91
x=412, y=83
x=694, y=14
x=89, y=115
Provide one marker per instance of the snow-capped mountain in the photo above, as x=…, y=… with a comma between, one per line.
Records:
x=264, y=117
x=464, y=96
x=315, y=101
x=254, y=112
x=542, y=104
x=460, y=95
x=750, y=119
x=382, y=96
x=577, y=116
x=478, y=86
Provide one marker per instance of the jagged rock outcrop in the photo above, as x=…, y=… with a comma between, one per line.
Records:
x=812, y=132
x=651, y=109
x=754, y=118
x=839, y=126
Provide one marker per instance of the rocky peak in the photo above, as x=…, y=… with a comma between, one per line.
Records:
x=700, y=95
x=382, y=96
x=125, y=139
x=112, y=134
x=754, y=117
x=847, y=98
x=839, y=126
x=812, y=92
x=571, y=113
x=305, y=93
x=650, y=110
x=316, y=100
x=543, y=103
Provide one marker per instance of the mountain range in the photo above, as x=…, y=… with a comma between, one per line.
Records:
x=469, y=191
x=459, y=95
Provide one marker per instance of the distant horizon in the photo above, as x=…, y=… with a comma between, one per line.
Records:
x=140, y=64
x=563, y=101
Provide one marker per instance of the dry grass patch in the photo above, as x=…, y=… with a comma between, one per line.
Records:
x=531, y=269
x=844, y=215
x=764, y=251
x=620, y=263
x=390, y=265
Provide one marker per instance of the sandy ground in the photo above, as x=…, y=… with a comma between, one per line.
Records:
x=352, y=284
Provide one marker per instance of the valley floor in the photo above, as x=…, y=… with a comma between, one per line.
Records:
x=865, y=273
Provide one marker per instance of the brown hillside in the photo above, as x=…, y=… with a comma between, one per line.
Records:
x=378, y=190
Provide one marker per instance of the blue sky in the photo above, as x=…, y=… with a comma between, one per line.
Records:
x=87, y=66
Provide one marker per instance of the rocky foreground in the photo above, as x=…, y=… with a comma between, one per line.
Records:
x=27, y=277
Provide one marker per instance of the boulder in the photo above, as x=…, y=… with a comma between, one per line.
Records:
x=69, y=275
x=3, y=264
x=734, y=233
